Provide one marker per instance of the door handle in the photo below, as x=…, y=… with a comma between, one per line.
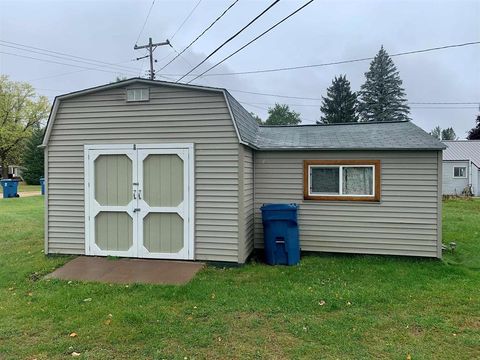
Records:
x=139, y=194
x=134, y=194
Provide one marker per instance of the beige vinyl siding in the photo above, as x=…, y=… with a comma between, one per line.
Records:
x=172, y=115
x=405, y=222
x=246, y=219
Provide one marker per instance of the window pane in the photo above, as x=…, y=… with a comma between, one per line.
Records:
x=130, y=95
x=137, y=94
x=459, y=171
x=357, y=181
x=325, y=180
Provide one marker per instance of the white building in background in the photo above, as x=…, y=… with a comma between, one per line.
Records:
x=461, y=167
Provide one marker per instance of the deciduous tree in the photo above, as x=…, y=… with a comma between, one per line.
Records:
x=20, y=111
x=281, y=114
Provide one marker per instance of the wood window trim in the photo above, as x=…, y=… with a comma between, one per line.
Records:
x=377, y=186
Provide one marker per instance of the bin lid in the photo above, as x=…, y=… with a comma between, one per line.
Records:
x=279, y=207
x=9, y=180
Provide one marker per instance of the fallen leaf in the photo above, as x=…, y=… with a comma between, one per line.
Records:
x=409, y=357
x=75, y=354
x=30, y=294
x=349, y=303
x=11, y=289
x=73, y=334
x=107, y=322
x=213, y=296
x=87, y=299
x=321, y=302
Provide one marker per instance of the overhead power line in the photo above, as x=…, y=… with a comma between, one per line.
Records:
x=252, y=41
x=145, y=22
x=414, y=105
x=63, y=56
x=66, y=64
x=232, y=37
x=186, y=19
x=343, y=61
x=201, y=34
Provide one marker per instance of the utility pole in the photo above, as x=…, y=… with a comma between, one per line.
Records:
x=151, y=48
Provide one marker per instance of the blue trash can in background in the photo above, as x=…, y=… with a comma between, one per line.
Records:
x=42, y=185
x=10, y=188
x=280, y=234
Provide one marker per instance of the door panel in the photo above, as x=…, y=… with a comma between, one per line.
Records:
x=113, y=231
x=163, y=182
x=163, y=233
x=112, y=219
x=113, y=179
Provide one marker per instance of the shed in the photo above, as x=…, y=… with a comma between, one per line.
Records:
x=153, y=169
x=461, y=167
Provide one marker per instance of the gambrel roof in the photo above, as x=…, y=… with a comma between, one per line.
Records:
x=403, y=135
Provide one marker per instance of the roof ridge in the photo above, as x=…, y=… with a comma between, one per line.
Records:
x=339, y=124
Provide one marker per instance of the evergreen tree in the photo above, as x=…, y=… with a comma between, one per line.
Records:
x=281, y=114
x=474, y=134
x=33, y=158
x=381, y=97
x=340, y=104
x=436, y=132
x=449, y=134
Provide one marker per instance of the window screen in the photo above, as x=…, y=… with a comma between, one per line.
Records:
x=325, y=180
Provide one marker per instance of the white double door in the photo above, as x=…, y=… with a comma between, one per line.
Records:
x=139, y=201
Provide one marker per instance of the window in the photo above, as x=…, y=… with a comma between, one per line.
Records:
x=138, y=94
x=459, y=172
x=348, y=180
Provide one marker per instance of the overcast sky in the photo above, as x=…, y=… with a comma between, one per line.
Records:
x=324, y=31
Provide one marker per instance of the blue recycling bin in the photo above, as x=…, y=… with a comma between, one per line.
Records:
x=10, y=188
x=42, y=185
x=280, y=234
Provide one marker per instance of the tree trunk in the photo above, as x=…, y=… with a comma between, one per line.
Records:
x=4, y=164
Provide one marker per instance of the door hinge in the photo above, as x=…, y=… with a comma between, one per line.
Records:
x=134, y=146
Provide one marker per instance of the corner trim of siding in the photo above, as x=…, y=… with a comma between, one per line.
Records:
x=45, y=175
x=440, y=202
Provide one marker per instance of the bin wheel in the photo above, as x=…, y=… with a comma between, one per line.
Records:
x=17, y=195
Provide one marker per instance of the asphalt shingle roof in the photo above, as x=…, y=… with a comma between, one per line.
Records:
x=399, y=135
x=402, y=135
x=463, y=150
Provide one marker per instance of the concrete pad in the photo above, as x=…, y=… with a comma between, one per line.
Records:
x=127, y=271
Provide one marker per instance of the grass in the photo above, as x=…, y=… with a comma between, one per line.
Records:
x=23, y=187
x=331, y=306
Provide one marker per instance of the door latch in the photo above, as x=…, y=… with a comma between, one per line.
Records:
x=136, y=209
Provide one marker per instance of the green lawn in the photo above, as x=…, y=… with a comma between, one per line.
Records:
x=23, y=187
x=331, y=306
